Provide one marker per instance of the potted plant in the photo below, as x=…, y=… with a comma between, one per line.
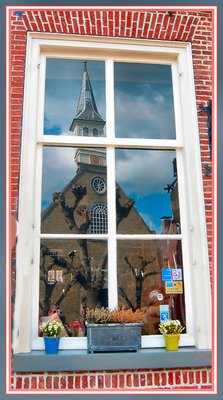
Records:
x=51, y=331
x=114, y=330
x=171, y=330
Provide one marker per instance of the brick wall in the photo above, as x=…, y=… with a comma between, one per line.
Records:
x=142, y=380
x=194, y=26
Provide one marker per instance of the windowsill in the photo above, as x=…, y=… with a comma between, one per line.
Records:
x=81, y=360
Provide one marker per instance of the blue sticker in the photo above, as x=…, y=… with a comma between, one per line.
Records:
x=166, y=274
x=164, y=312
x=171, y=274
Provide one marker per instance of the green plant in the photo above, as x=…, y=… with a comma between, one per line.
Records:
x=119, y=315
x=51, y=328
x=171, y=326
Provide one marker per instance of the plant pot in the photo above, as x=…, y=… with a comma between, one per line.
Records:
x=113, y=337
x=51, y=345
x=172, y=341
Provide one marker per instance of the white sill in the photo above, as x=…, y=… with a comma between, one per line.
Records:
x=81, y=360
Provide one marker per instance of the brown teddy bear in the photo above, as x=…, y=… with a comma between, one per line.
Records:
x=154, y=298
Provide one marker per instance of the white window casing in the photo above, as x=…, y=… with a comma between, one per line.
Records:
x=193, y=234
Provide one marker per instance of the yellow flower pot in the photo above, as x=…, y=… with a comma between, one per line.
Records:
x=172, y=341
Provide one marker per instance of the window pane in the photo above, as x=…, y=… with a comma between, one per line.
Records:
x=147, y=192
x=146, y=273
x=74, y=190
x=73, y=276
x=74, y=98
x=144, y=101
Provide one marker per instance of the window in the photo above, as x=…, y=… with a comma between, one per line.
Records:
x=98, y=217
x=86, y=131
x=126, y=203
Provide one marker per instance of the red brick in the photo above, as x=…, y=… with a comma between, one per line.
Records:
x=84, y=382
x=33, y=382
x=70, y=382
x=135, y=380
x=63, y=382
x=149, y=379
x=204, y=376
x=49, y=382
x=41, y=382
x=177, y=378
x=92, y=381
x=142, y=379
x=56, y=382
x=129, y=380
x=191, y=377
x=77, y=382
x=170, y=378
x=107, y=381
x=156, y=379
x=26, y=383
x=100, y=381
x=121, y=381
x=163, y=379
x=18, y=383
x=114, y=381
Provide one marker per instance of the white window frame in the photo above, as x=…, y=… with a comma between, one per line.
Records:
x=187, y=146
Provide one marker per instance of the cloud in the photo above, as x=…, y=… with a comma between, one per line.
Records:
x=144, y=116
x=59, y=168
x=144, y=172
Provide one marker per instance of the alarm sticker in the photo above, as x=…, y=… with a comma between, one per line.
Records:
x=174, y=287
x=171, y=274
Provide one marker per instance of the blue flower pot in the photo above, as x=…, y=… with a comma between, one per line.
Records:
x=51, y=345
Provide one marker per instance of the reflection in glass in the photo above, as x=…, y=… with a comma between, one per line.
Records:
x=142, y=282
x=74, y=190
x=144, y=101
x=73, y=276
x=74, y=98
x=147, y=192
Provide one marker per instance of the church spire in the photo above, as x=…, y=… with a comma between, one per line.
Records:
x=87, y=112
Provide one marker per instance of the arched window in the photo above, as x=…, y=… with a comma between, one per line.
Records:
x=95, y=132
x=86, y=131
x=98, y=218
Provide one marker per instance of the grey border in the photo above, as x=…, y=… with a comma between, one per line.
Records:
x=220, y=167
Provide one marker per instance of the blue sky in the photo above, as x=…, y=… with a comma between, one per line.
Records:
x=144, y=108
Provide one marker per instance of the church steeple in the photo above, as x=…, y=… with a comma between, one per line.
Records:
x=87, y=121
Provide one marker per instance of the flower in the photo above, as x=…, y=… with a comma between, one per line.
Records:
x=51, y=329
x=171, y=326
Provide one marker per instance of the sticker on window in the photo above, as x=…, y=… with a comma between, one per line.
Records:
x=174, y=287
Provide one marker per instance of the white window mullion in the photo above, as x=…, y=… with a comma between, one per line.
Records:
x=110, y=104
x=112, y=245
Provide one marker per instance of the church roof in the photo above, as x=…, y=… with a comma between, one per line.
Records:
x=86, y=108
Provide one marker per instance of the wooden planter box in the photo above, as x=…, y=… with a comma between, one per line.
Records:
x=113, y=337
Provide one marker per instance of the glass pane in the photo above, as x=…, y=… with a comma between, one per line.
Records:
x=74, y=98
x=74, y=190
x=144, y=101
x=147, y=192
x=150, y=275
x=73, y=276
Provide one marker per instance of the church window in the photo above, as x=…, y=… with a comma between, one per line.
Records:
x=142, y=226
x=98, y=218
x=86, y=131
x=98, y=185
